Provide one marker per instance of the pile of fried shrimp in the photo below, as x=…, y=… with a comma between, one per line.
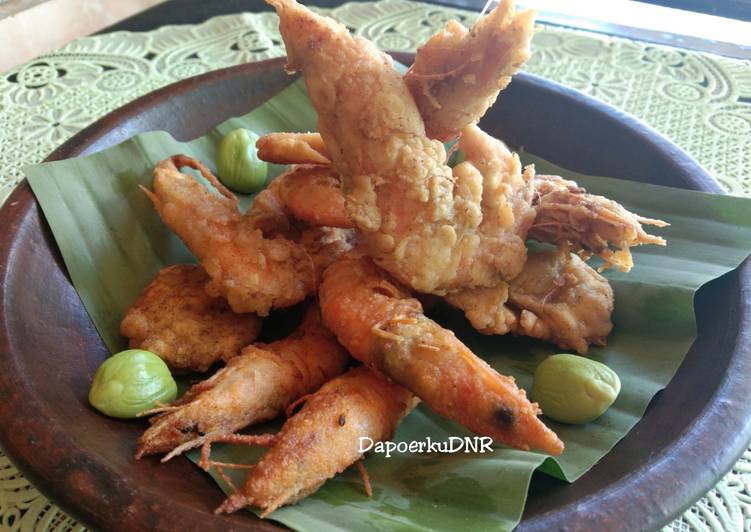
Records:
x=367, y=222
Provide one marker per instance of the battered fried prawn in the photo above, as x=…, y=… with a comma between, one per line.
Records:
x=325, y=245
x=504, y=197
x=293, y=148
x=322, y=439
x=487, y=309
x=564, y=214
x=255, y=386
x=400, y=193
x=322, y=244
x=455, y=78
x=176, y=319
x=557, y=298
x=458, y=73
x=568, y=215
x=252, y=272
x=269, y=214
x=312, y=194
x=380, y=325
x=562, y=300
x=303, y=195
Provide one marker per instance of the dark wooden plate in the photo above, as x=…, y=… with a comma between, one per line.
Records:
x=692, y=433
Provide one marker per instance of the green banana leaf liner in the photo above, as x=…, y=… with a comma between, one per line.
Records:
x=113, y=244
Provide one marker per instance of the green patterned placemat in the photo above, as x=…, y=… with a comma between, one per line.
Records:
x=701, y=102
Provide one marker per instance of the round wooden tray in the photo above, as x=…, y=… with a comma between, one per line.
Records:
x=692, y=433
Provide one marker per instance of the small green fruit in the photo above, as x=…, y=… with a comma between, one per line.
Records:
x=574, y=389
x=130, y=382
x=238, y=164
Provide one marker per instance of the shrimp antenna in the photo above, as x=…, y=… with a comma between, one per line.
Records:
x=485, y=9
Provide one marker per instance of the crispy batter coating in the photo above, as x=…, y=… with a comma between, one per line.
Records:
x=562, y=300
x=280, y=209
x=400, y=193
x=486, y=309
x=177, y=320
x=557, y=298
x=458, y=73
x=293, y=148
x=324, y=245
x=504, y=196
x=565, y=214
x=380, y=325
x=568, y=215
x=312, y=194
x=269, y=214
x=302, y=196
x=255, y=386
x=252, y=272
x=322, y=439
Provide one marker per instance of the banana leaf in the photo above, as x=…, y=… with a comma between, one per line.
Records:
x=113, y=244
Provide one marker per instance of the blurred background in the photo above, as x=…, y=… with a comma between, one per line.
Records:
x=29, y=28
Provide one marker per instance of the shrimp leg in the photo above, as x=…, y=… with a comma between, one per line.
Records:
x=382, y=326
x=255, y=386
x=322, y=439
x=253, y=273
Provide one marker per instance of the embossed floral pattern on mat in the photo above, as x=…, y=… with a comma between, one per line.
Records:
x=701, y=102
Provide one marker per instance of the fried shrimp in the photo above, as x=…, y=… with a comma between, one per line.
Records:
x=458, y=73
x=456, y=77
x=252, y=272
x=303, y=195
x=255, y=386
x=557, y=298
x=487, y=309
x=416, y=219
x=177, y=320
x=380, y=325
x=325, y=245
x=312, y=194
x=562, y=300
x=293, y=148
x=568, y=215
x=269, y=214
x=505, y=199
x=279, y=213
x=322, y=439
x=564, y=213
